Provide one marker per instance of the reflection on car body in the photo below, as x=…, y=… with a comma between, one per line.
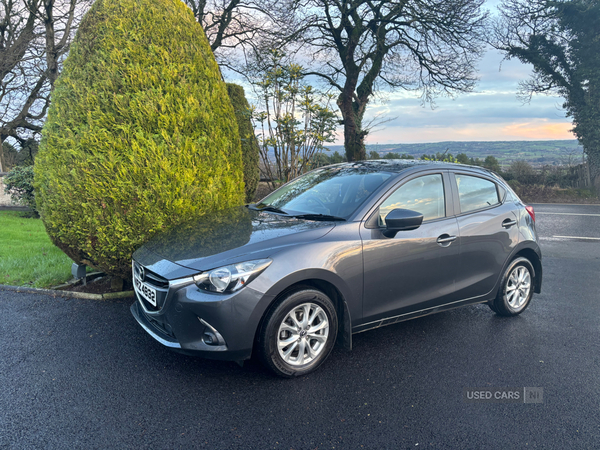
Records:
x=339, y=250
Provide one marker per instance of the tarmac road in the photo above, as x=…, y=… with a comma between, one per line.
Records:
x=82, y=374
x=571, y=231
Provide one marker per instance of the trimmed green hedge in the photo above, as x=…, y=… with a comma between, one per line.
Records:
x=140, y=135
x=250, y=149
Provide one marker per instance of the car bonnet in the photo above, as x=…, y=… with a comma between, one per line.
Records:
x=228, y=236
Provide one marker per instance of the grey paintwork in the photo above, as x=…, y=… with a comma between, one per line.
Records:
x=374, y=280
x=233, y=235
x=410, y=270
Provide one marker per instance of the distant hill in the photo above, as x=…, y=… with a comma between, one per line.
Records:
x=537, y=153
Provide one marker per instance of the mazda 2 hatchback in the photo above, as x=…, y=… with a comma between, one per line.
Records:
x=340, y=250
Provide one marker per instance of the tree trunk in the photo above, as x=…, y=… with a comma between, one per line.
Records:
x=593, y=161
x=354, y=135
x=51, y=51
x=354, y=142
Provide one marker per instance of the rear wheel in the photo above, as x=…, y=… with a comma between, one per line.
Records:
x=298, y=334
x=516, y=289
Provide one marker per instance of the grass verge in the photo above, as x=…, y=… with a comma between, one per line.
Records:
x=27, y=256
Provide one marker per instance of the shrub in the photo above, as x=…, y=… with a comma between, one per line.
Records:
x=523, y=172
x=18, y=183
x=250, y=149
x=534, y=193
x=140, y=137
x=295, y=121
x=514, y=184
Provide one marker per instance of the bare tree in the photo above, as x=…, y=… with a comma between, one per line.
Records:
x=34, y=39
x=571, y=156
x=238, y=24
x=360, y=46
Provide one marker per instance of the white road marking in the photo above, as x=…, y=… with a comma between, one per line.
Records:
x=566, y=214
x=578, y=237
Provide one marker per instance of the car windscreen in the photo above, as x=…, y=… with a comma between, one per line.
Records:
x=332, y=191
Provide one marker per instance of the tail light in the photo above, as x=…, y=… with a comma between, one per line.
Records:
x=531, y=212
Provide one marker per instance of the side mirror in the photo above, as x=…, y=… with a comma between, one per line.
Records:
x=401, y=220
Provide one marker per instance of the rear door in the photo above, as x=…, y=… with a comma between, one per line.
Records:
x=488, y=232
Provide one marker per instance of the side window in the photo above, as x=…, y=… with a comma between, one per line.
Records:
x=424, y=194
x=475, y=193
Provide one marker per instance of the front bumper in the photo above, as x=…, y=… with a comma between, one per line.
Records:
x=189, y=317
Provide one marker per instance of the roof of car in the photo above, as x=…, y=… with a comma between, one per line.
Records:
x=399, y=165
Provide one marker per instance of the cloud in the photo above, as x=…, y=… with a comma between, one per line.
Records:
x=543, y=128
x=538, y=129
x=491, y=112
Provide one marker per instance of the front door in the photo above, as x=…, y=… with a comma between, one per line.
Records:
x=415, y=269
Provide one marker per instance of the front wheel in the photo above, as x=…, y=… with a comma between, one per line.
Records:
x=298, y=334
x=516, y=289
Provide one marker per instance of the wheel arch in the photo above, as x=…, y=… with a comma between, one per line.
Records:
x=344, y=334
x=536, y=262
x=531, y=252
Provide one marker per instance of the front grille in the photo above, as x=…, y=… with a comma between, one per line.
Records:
x=156, y=280
x=158, y=283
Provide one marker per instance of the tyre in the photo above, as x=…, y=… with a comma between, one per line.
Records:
x=492, y=306
x=298, y=334
x=516, y=288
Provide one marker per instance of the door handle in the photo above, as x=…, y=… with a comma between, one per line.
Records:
x=509, y=223
x=445, y=240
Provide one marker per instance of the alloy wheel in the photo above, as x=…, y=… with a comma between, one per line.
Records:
x=302, y=334
x=518, y=286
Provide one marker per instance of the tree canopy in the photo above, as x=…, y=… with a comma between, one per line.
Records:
x=561, y=39
x=243, y=25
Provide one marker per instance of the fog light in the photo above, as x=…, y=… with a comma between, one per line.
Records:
x=211, y=336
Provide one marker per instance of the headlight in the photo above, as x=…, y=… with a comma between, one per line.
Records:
x=231, y=278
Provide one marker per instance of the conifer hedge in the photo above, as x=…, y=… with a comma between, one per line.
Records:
x=140, y=135
x=250, y=149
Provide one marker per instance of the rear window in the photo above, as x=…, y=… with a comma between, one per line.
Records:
x=476, y=193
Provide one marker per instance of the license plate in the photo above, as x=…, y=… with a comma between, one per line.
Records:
x=145, y=291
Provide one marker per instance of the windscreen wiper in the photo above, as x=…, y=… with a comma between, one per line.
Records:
x=254, y=207
x=318, y=217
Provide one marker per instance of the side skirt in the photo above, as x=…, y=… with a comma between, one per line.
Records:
x=415, y=314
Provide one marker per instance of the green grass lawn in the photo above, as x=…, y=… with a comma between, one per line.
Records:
x=27, y=256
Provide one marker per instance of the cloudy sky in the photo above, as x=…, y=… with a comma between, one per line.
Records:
x=491, y=113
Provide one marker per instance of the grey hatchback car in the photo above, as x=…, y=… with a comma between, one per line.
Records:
x=340, y=250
